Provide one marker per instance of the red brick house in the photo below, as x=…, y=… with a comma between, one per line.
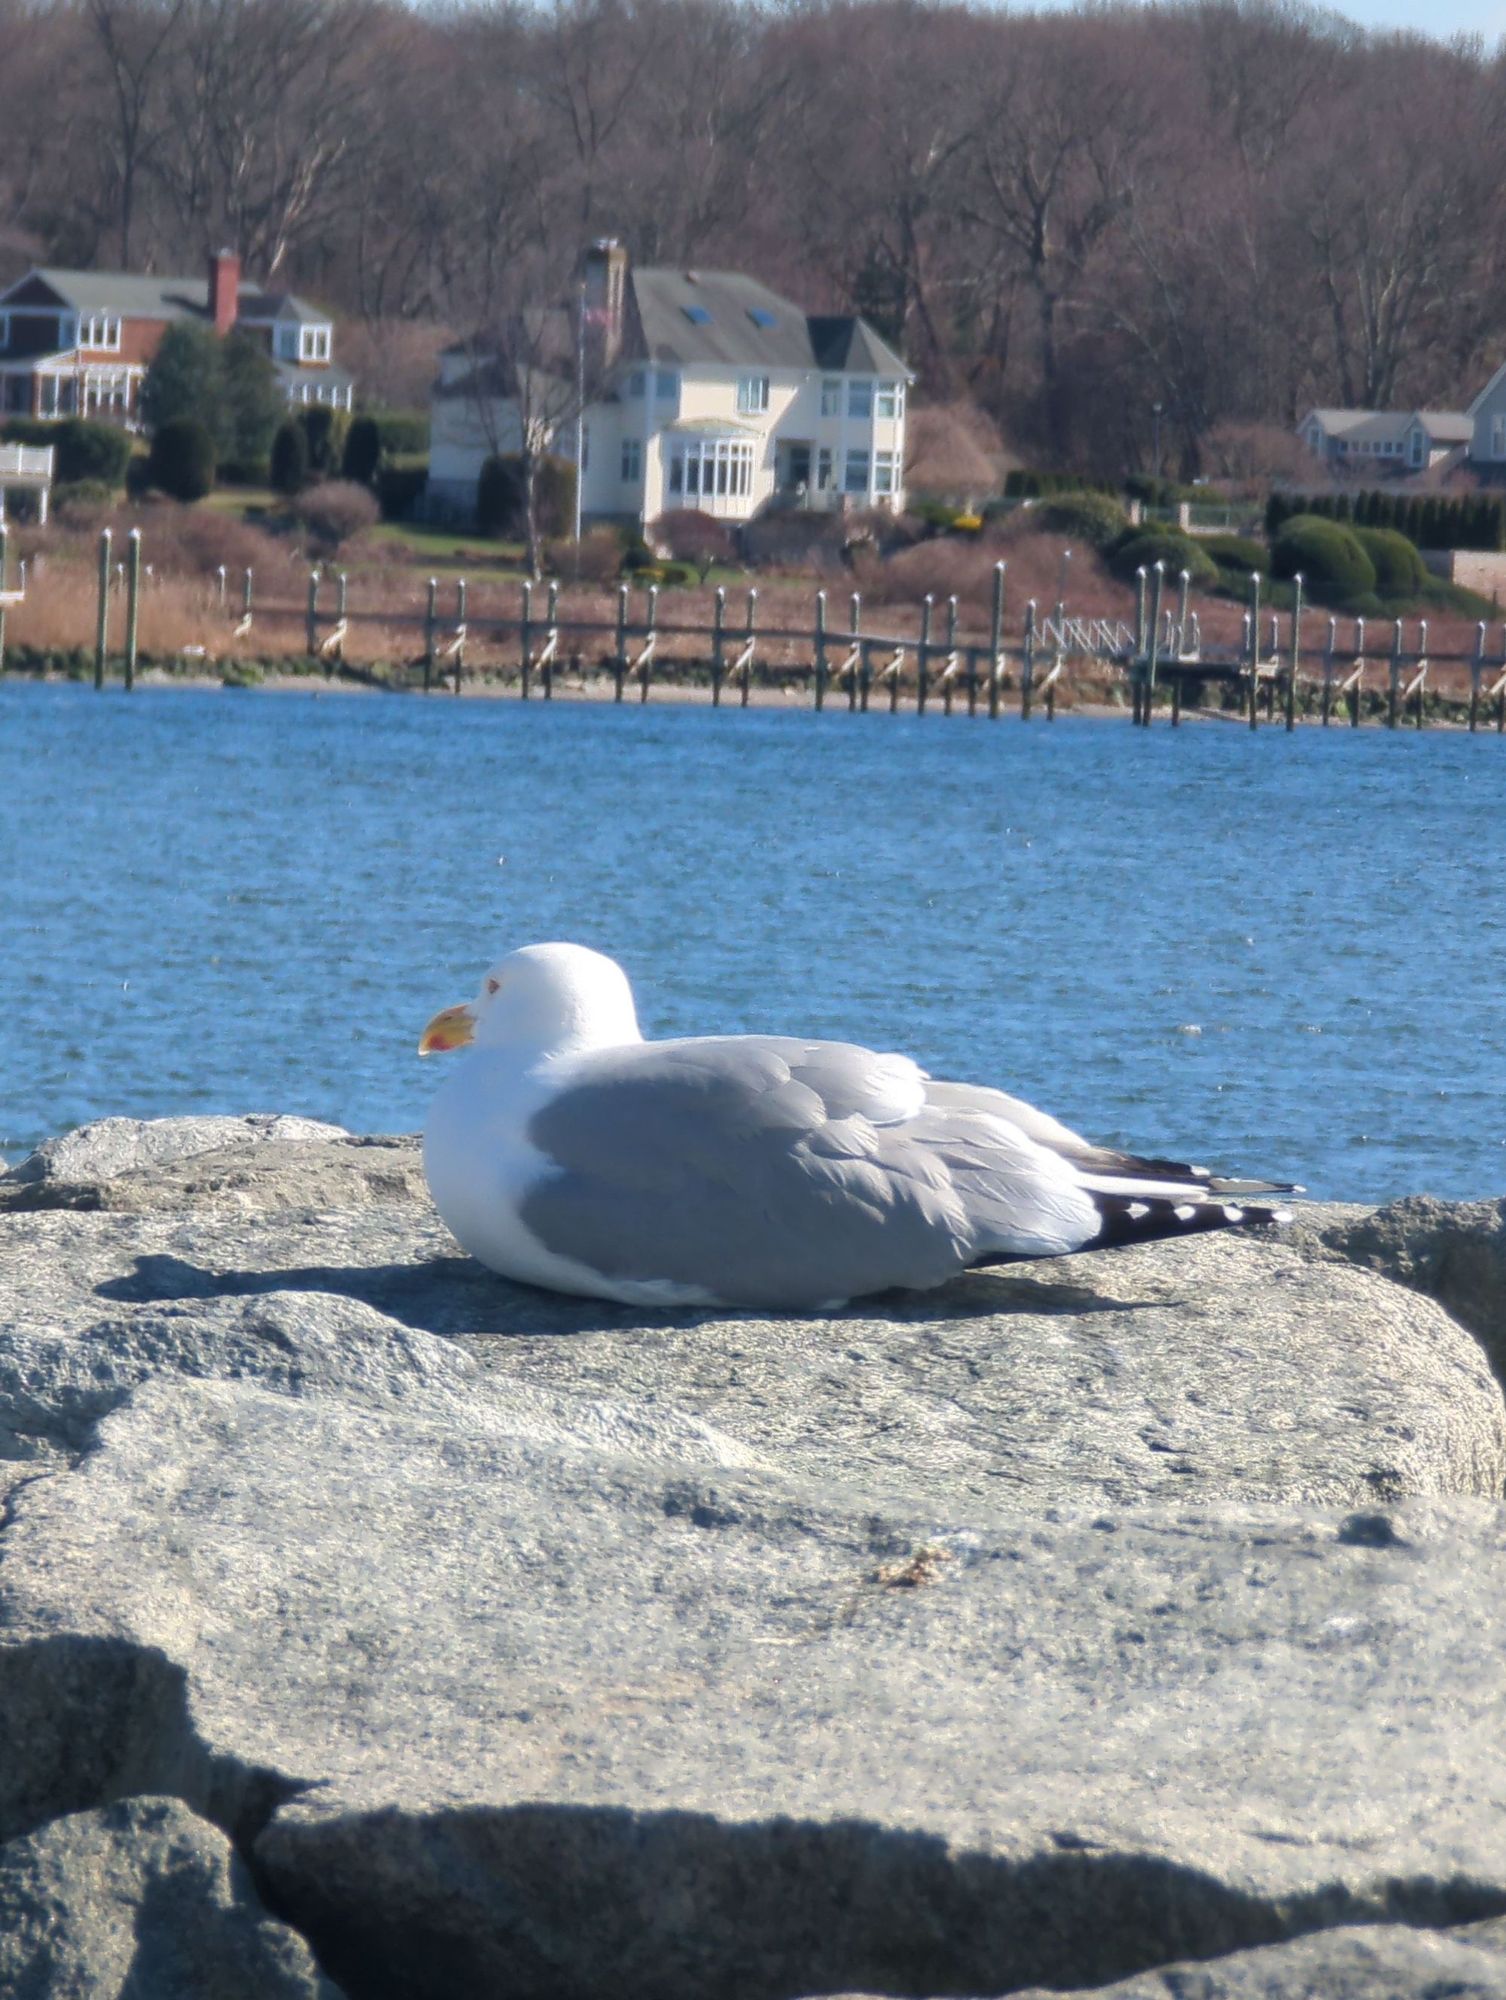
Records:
x=77, y=343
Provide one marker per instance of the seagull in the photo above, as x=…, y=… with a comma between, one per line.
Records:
x=758, y=1172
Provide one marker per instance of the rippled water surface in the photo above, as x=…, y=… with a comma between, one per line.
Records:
x=1281, y=954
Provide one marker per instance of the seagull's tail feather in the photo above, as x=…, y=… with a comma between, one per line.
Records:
x=1145, y=1218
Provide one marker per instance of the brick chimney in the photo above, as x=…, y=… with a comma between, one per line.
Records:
x=605, y=279
x=224, y=290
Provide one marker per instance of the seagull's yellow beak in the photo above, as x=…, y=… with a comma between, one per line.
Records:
x=452, y=1029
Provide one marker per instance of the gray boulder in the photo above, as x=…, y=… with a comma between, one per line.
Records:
x=1455, y=1252
x=1064, y=1626
x=1381, y=1962
x=141, y=1901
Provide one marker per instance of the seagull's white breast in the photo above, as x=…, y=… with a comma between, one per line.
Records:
x=480, y=1165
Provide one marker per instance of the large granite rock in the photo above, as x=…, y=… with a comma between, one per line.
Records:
x=1381, y=1962
x=141, y=1901
x=1048, y=1630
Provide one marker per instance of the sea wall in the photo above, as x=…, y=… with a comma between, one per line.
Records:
x=371, y=1626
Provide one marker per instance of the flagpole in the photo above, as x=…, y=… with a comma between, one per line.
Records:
x=580, y=412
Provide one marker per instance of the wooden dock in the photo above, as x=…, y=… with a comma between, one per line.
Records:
x=842, y=658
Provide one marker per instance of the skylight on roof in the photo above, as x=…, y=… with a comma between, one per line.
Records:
x=761, y=316
x=697, y=315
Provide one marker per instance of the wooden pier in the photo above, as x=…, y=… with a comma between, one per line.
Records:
x=1161, y=661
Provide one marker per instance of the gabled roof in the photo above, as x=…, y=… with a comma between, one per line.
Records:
x=136, y=295
x=1448, y=426
x=1366, y=426
x=724, y=319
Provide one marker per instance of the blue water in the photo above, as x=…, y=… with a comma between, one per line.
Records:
x=1274, y=954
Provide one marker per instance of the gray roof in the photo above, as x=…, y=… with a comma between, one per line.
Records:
x=1450, y=425
x=1364, y=425
x=135, y=295
x=680, y=318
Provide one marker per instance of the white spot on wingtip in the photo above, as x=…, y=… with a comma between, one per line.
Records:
x=1232, y=1214
x=1187, y=1211
x=1137, y=1210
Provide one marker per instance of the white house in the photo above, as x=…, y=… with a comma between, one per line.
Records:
x=714, y=393
x=1403, y=441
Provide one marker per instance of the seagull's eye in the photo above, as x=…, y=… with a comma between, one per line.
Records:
x=493, y=986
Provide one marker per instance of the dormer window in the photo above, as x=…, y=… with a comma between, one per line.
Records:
x=100, y=331
x=313, y=344
x=753, y=395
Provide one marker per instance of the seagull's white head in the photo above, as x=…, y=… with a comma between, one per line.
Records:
x=545, y=998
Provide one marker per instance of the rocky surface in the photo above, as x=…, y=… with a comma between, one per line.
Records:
x=141, y=1901
x=1383, y=1962
x=1049, y=1630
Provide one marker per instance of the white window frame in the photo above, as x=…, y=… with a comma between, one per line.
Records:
x=831, y=395
x=313, y=343
x=857, y=470
x=860, y=398
x=716, y=471
x=752, y=395
x=100, y=332
x=890, y=401
x=632, y=460
x=884, y=471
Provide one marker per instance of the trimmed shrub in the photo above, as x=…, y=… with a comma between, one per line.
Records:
x=1164, y=545
x=363, y=451
x=1238, y=554
x=689, y=536
x=402, y=432
x=1090, y=518
x=324, y=429
x=500, y=497
x=399, y=490
x=1327, y=556
x=1399, y=570
x=334, y=510
x=182, y=459
x=290, y=459
x=1023, y=483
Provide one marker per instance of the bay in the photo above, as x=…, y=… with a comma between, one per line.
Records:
x=1274, y=954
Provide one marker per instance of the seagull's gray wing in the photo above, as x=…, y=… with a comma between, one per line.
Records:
x=742, y=1166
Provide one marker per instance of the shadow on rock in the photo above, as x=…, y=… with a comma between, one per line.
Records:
x=456, y=1296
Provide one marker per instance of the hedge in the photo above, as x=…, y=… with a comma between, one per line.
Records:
x=402, y=432
x=1399, y=570
x=1326, y=556
x=399, y=490
x=1025, y=484
x=289, y=472
x=1237, y=553
x=1428, y=520
x=83, y=450
x=1090, y=518
x=1142, y=550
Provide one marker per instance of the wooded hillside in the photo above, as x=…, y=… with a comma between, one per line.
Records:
x=1232, y=211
